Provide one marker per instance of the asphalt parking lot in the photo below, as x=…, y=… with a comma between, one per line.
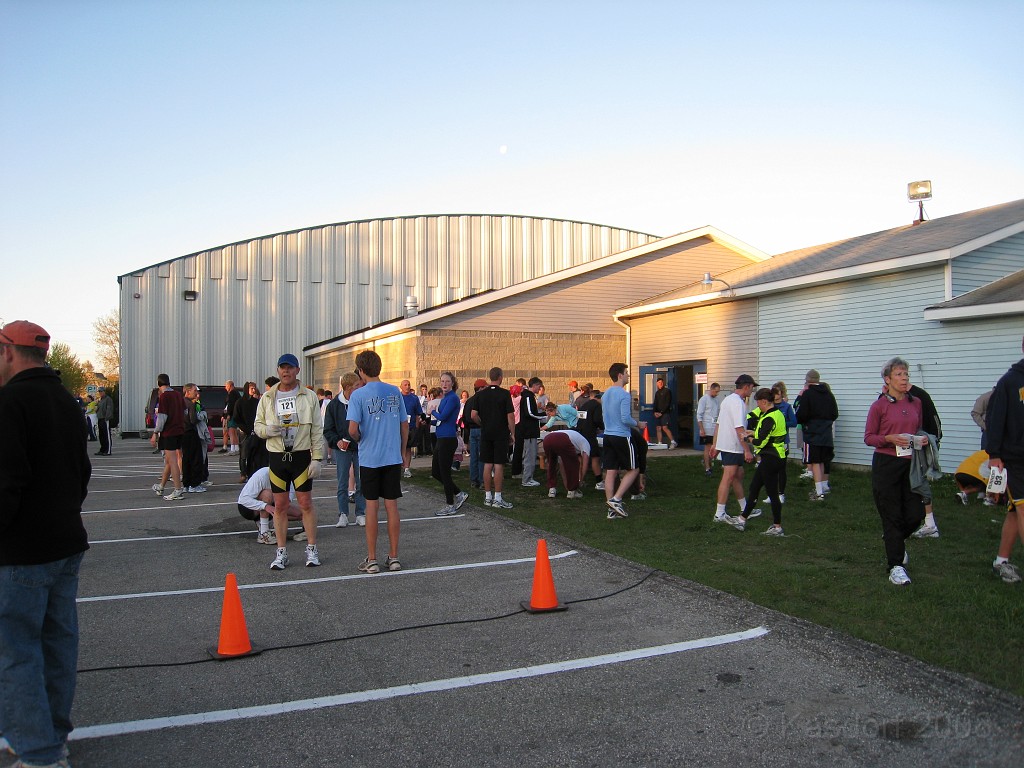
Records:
x=437, y=665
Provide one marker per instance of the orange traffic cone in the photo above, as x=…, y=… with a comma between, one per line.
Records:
x=647, y=437
x=234, y=637
x=543, y=598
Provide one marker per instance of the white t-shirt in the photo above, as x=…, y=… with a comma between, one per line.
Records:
x=732, y=414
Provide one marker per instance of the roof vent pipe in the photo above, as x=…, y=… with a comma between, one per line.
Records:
x=412, y=306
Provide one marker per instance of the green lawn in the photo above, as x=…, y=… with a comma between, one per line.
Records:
x=829, y=568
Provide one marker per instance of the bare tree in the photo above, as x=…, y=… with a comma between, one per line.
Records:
x=106, y=333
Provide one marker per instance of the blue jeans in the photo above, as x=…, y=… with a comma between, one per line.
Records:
x=344, y=460
x=476, y=467
x=38, y=656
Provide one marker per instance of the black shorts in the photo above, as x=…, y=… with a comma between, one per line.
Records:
x=494, y=451
x=730, y=459
x=247, y=513
x=1015, y=481
x=381, y=482
x=618, y=453
x=707, y=440
x=172, y=443
x=818, y=454
x=290, y=469
x=414, y=435
x=662, y=421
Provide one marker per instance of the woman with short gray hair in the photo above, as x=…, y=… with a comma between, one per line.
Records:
x=893, y=420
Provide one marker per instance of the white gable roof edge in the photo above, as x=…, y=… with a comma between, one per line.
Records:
x=975, y=312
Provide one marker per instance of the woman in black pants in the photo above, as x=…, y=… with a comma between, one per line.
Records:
x=444, y=417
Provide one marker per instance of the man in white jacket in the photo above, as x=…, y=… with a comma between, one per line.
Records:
x=288, y=418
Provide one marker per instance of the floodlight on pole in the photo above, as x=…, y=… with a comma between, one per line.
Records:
x=708, y=280
x=918, y=192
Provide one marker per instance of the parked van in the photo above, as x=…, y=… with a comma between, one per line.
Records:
x=212, y=396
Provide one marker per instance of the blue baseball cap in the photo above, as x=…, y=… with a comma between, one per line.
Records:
x=291, y=360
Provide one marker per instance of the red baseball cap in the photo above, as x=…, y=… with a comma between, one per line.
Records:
x=22, y=333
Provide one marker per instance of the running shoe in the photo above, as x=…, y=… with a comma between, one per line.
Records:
x=281, y=561
x=817, y=497
x=369, y=566
x=460, y=499
x=501, y=504
x=806, y=475
x=207, y=483
x=638, y=497
x=158, y=489
x=197, y=489
x=574, y=494
x=615, y=509
x=720, y=518
x=300, y=536
x=312, y=556
x=407, y=473
x=445, y=511
x=775, y=530
x=755, y=512
x=266, y=538
x=962, y=496
x=898, y=576
x=1007, y=572
x=177, y=493
x=392, y=563
x=552, y=493
x=599, y=486
x=342, y=521
x=531, y=483
x=672, y=445
x=361, y=520
x=926, y=532
x=736, y=522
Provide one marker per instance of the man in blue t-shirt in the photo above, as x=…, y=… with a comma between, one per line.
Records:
x=378, y=421
x=618, y=452
x=413, y=412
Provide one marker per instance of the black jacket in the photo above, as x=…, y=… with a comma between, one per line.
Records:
x=44, y=470
x=815, y=413
x=1004, y=419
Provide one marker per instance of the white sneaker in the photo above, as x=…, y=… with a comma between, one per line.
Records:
x=672, y=444
x=460, y=499
x=266, y=538
x=158, y=489
x=407, y=473
x=531, y=483
x=281, y=561
x=446, y=511
x=736, y=522
x=197, y=489
x=926, y=532
x=552, y=493
x=756, y=512
x=177, y=493
x=300, y=536
x=599, y=486
x=898, y=576
x=207, y=483
x=775, y=530
x=962, y=495
x=312, y=556
x=720, y=518
x=342, y=521
x=807, y=475
x=501, y=504
x=574, y=495
x=361, y=520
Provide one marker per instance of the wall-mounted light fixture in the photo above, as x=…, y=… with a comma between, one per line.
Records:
x=190, y=295
x=708, y=280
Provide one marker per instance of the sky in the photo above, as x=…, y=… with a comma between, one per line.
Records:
x=138, y=131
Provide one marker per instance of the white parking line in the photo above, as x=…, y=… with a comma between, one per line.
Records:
x=273, y=584
x=431, y=518
x=187, y=498
x=412, y=689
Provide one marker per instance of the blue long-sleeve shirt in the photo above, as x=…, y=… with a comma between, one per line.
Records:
x=618, y=416
x=446, y=415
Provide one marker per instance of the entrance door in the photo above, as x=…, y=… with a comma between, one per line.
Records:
x=686, y=381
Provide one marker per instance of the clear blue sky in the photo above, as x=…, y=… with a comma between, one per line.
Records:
x=138, y=131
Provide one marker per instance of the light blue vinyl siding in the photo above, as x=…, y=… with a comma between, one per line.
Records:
x=987, y=264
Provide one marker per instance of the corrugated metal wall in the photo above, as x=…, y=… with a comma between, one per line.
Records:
x=259, y=298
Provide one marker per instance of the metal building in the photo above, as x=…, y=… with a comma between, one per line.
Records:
x=228, y=312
